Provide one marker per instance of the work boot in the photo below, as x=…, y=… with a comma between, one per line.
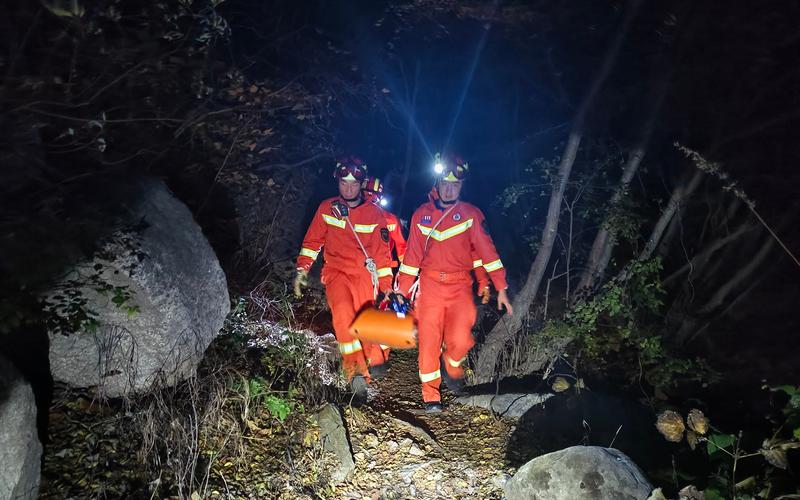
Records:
x=378, y=372
x=433, y=407
x=359, y=387
x=456, y=386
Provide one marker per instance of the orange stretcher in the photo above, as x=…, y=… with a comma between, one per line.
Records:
x=385, y=328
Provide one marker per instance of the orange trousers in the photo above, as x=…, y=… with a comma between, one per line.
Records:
x=347, y=294
x=446, y=313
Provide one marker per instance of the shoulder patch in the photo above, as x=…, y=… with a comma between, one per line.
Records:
x=385, y=234
x=426, y=219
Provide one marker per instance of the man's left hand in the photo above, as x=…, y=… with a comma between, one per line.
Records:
x=485, y=293
x=502, y=300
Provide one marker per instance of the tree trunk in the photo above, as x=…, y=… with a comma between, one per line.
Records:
x=679, y=194
x=689, y=328
x=701, y=259
x=605, y=240
x=409, y=141
x=507, y=327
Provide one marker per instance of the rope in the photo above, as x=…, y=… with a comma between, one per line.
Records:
x=369, y=263
x=414, y=290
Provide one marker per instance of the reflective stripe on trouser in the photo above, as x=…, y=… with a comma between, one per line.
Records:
x=346, y=295
x=446, y=313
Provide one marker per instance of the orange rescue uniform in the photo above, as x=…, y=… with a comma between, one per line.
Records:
x=397, y=241
x=348, y=284
x=444, y=245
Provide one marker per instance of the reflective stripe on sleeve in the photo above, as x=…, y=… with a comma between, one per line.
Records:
x=493, y=266
x=384, y=271
x=307, y=252
x=413, y=271
x=430, y=377
x=477, y=263
x=349, y=347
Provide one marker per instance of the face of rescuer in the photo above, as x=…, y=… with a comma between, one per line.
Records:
x=449, y=191
x=349, y=190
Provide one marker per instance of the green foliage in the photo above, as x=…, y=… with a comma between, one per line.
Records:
x=617, y=326
x=259, y=391
x=607, y=321
x=717, y=442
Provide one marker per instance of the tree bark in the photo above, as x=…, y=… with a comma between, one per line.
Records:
x=605, y=240
x=679, y=194
x=701, y=259
x=507, y=327
x=688, y=329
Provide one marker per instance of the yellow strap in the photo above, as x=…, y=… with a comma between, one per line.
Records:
x=430, y=377
x=493, y=266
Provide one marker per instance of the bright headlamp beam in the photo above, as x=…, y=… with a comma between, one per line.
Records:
x=438, y=168
x=384, y=202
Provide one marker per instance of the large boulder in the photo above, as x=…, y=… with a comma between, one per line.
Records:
x=579, y=472
x=159, y=295
x=333, y=434
x=512, y=405
x=20, y=449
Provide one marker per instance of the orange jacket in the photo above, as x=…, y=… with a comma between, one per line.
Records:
x=452, y=244
x=342, y=251
x=396, y=239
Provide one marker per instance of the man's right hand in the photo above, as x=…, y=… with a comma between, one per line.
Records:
x=300, y=282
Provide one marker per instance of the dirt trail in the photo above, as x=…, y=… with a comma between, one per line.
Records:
x=403, y=453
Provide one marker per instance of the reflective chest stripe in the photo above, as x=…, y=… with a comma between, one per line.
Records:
x=391, y=227
x=364, y=228
x=333, y=221
x=445, y=233
x=341, y=224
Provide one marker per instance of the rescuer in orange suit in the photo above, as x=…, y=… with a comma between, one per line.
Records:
x=357, y=266
x=444, y=237
x=373, y=192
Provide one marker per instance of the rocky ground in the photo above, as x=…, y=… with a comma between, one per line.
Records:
x=398, y=451
x=401, y=452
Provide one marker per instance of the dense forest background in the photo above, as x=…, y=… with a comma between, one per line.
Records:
x=637, y=162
